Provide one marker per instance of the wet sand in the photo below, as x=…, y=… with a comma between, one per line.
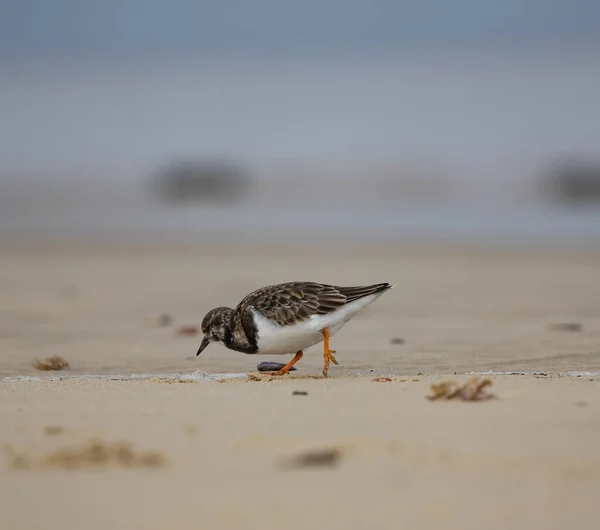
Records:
x=217, y=454
x=455, y=310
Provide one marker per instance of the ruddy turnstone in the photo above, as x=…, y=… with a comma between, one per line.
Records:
x=288, y=318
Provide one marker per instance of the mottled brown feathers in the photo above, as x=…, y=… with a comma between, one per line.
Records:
x=294, y=302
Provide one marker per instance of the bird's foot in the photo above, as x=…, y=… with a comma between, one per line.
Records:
x=329, y=354
x=328, y=357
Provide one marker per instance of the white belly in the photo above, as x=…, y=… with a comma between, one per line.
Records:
x=274, y=339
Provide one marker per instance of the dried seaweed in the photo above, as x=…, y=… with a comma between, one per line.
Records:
x=188, y=330
x=51, y=363
x=473, y=390
x=93, y=454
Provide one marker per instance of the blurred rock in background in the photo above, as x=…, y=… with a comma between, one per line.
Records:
x=190, y=181
x=573, y=181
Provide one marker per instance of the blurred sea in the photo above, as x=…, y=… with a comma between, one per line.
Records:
x=136, y=217
x=479, y=116
x=474, y=129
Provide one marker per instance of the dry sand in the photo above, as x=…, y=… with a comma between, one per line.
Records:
x=528, y=459
x=216, y=454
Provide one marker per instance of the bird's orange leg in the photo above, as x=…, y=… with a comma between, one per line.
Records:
x=327, y=353
x=287, y=367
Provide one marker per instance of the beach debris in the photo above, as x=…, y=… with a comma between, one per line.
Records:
x=20, y=462
x=382, y=380
x=472, y=390
x=93, y=454
x=330, y=457
x=161, y=321
x=269, y=366
x=188, y=330
x=397, y=340
x=573, y=327
x=53, y=430
x=299, y=393
x=254, y=377
x=51, y=363
x=165, y=320
x=173, y=381
x=267, y=377
x=257, y=377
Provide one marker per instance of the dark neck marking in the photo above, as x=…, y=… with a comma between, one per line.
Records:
x=241, y=333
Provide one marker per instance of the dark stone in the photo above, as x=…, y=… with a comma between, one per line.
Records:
x=269, y=366
x=165, y=320
x=316, y=458
x=566, y=326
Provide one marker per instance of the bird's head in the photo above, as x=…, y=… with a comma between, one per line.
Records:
x=214, y=324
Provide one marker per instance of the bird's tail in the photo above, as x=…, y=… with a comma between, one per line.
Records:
x=354, y=293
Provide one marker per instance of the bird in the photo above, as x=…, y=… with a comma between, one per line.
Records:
x=288, y=318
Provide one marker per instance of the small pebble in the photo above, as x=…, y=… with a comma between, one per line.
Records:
x=299, y=393
x=165, y=320
x=316, y=458
x=269, y=366
x=53, y=430
x=566, y=326
x=398, y=340
x=157, y=321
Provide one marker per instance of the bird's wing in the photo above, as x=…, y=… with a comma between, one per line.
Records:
x=291, y=303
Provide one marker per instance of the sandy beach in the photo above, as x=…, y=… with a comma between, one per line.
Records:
x=229, y=454
x=454, y=309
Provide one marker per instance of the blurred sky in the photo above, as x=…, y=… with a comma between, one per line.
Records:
x=479, y=85
x=76, y=29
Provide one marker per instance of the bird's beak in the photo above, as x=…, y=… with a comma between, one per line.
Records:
x=205, y=342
